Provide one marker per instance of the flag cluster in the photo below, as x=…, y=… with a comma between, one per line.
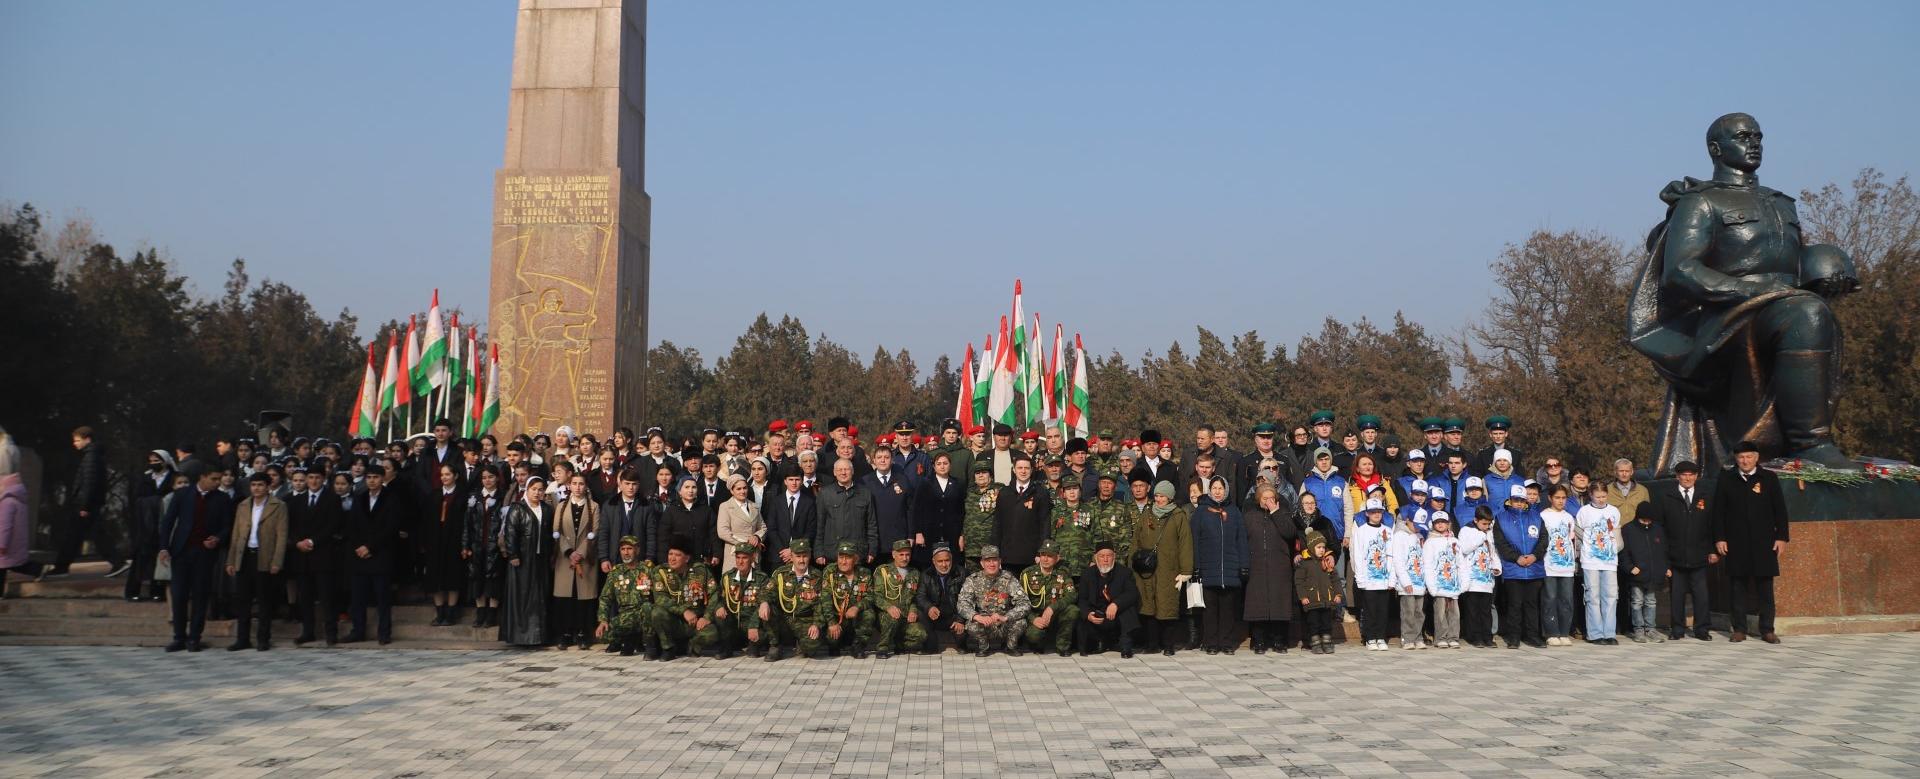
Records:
x=444, y=376
x=1020, y=384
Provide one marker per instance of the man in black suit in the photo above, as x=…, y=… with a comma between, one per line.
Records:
x=1682, y=510
x=1749, y=521
x=623, y=515
x=789, y=514
x=1023, y=516
x=192, y=533
x=313, y=527
x=1157, y=469
x=893, y=495
x=713, y=489
x=373, y=537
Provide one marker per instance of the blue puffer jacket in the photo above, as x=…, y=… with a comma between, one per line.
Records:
x=1517, y=533
x=1330, y=493
x=1219, y=545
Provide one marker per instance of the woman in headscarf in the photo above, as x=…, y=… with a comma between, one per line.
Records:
x=759, y=479
x=525, y=537
x=444, y=537
x=1220, y=555
x=1163, y=537
x=687, y=516
x=1307, y=519
x=1271, y=534
x=738, y=519
x=576, y=572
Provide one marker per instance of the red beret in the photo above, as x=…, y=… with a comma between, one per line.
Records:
x=1030, y=436
x=885, y=439
x=853, y=430
x=976, y=430
x=917, y=440
x=776, y=425
x=804, y=425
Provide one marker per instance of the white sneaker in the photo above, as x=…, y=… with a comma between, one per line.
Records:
x=1453, y=644
x=1420, y=645
x=1409, y=646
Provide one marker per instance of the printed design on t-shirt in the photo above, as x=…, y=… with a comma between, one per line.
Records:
x=1482, y=570
x=1560, y=552
x=1447, y=580
x=1377, y=558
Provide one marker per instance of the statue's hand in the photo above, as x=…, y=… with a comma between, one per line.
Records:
x=1834, y=287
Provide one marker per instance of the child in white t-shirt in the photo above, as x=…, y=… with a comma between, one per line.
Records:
x=1599, y=528
x=1562, y=561
x=1446, y=578
x=1482, y=571
x=1405, y=555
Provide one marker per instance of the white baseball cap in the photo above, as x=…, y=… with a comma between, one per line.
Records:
x=1474, y=483
x=1374, y=504
x=1420, y=486
x=1516, y=491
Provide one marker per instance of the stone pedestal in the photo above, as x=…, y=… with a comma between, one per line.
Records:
x=571, y=219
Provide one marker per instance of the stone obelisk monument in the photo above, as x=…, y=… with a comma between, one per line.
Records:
x=568, y=304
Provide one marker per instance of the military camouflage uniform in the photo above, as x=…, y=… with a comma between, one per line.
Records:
x=795, y=604
x=977, y=527
x=1056, y=591
x=848, y=591
x=626, y=604
x=675, y=594
x=888, y=588
x=1073, y=535
x=741, y=602
x=999, y=594
x=1113, y=523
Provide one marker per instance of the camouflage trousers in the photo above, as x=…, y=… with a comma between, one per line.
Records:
x=855, y=632
x=899, y=635
x=672, y=629
x=725, y=633
x=631, y=627
x=1057, y=636
x=1005, y=635
x=782, y=628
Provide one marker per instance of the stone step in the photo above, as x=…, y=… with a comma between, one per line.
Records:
x=217, y=644
x=160, y=627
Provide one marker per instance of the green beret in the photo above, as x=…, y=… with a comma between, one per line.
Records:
x=743, y=548
x=1322, y=415
x=900, y=544
x=989, y=552
x=847, y=548
x=800, y=547
x=1047, y=548
x=629, y=541
x=983, y=465
x=1110, y=476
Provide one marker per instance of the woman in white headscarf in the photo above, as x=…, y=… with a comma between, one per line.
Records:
x=738, y=518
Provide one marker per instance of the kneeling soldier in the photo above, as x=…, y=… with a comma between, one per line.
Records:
x=626, y=601
x=994, y=606
x=1055, y=605
x=793, y=605
x=734, y=614
x=680, y=593
x=894, y=590
x=851, y=625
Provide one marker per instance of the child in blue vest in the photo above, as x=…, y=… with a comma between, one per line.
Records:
x=1521, y=538
x=1415, y=511
x=1476, y=496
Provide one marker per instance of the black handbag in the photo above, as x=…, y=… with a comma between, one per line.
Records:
x=1145, y=561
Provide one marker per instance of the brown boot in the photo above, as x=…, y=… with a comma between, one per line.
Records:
x=1738, y=637
x=1770, y=638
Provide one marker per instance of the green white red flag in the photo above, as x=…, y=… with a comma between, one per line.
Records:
x=366, y=405
x=1076, y=400
x=432, y=371
x=1035, y=373
x=963, y=402
x=490, y=413
x=1000, y=395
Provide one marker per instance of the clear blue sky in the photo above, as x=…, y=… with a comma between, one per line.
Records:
x=883, y=170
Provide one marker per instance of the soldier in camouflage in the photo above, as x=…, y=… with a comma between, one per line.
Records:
x=1073, y=531
x=1055, y=603
x=794, y=604
x=850, y=626
x=898, y=626
x=680, y=592
x=1112, y=519
x=994, y=606
x=626, y=601
x=732, y=614
x=976, y=530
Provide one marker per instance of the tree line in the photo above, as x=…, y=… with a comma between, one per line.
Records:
x=121, y=343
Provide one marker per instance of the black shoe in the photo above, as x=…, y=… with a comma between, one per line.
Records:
x=196, y=646
x=983, y=653
x=1066, y=653
x=586, y=642
x=263, y=646
x=1167, y=651
x=1014, y=651
x=773, y=655
x=303, y=639
x=1212, y=651
x=239, y=645
x=755, y=651
x=1703, y=636
x=1512, y=644
x=625, y=651
x=331, y=641
x=1282, y=649
x=884, y=654
x=653, y=650
x=177, y=646
x=1230, y=650
x=1261, y=650
x=354, y=638
x=1126, y=654
x=1613, y=642
x=1536, y=643
x=385, y=640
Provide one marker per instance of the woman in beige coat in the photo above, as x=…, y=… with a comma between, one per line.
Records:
x=738, y=519
x=575, y=576
x=1164, y=529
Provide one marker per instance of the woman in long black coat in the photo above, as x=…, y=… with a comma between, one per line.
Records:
x=480, y=545
x=938, y=513
x=443, y=526
x=1271, y=532
x=526, y=537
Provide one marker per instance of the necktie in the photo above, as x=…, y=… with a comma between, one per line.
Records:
x=793, y=505
x=883, y=481
x=314, y=501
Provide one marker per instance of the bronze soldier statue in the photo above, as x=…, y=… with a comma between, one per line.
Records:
x=1731, y=306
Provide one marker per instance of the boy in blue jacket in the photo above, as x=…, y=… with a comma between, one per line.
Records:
x=1520, y=537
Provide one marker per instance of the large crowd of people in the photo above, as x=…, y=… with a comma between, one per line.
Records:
x=802, y=540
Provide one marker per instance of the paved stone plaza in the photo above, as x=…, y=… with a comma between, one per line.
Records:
x=1815, y=706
